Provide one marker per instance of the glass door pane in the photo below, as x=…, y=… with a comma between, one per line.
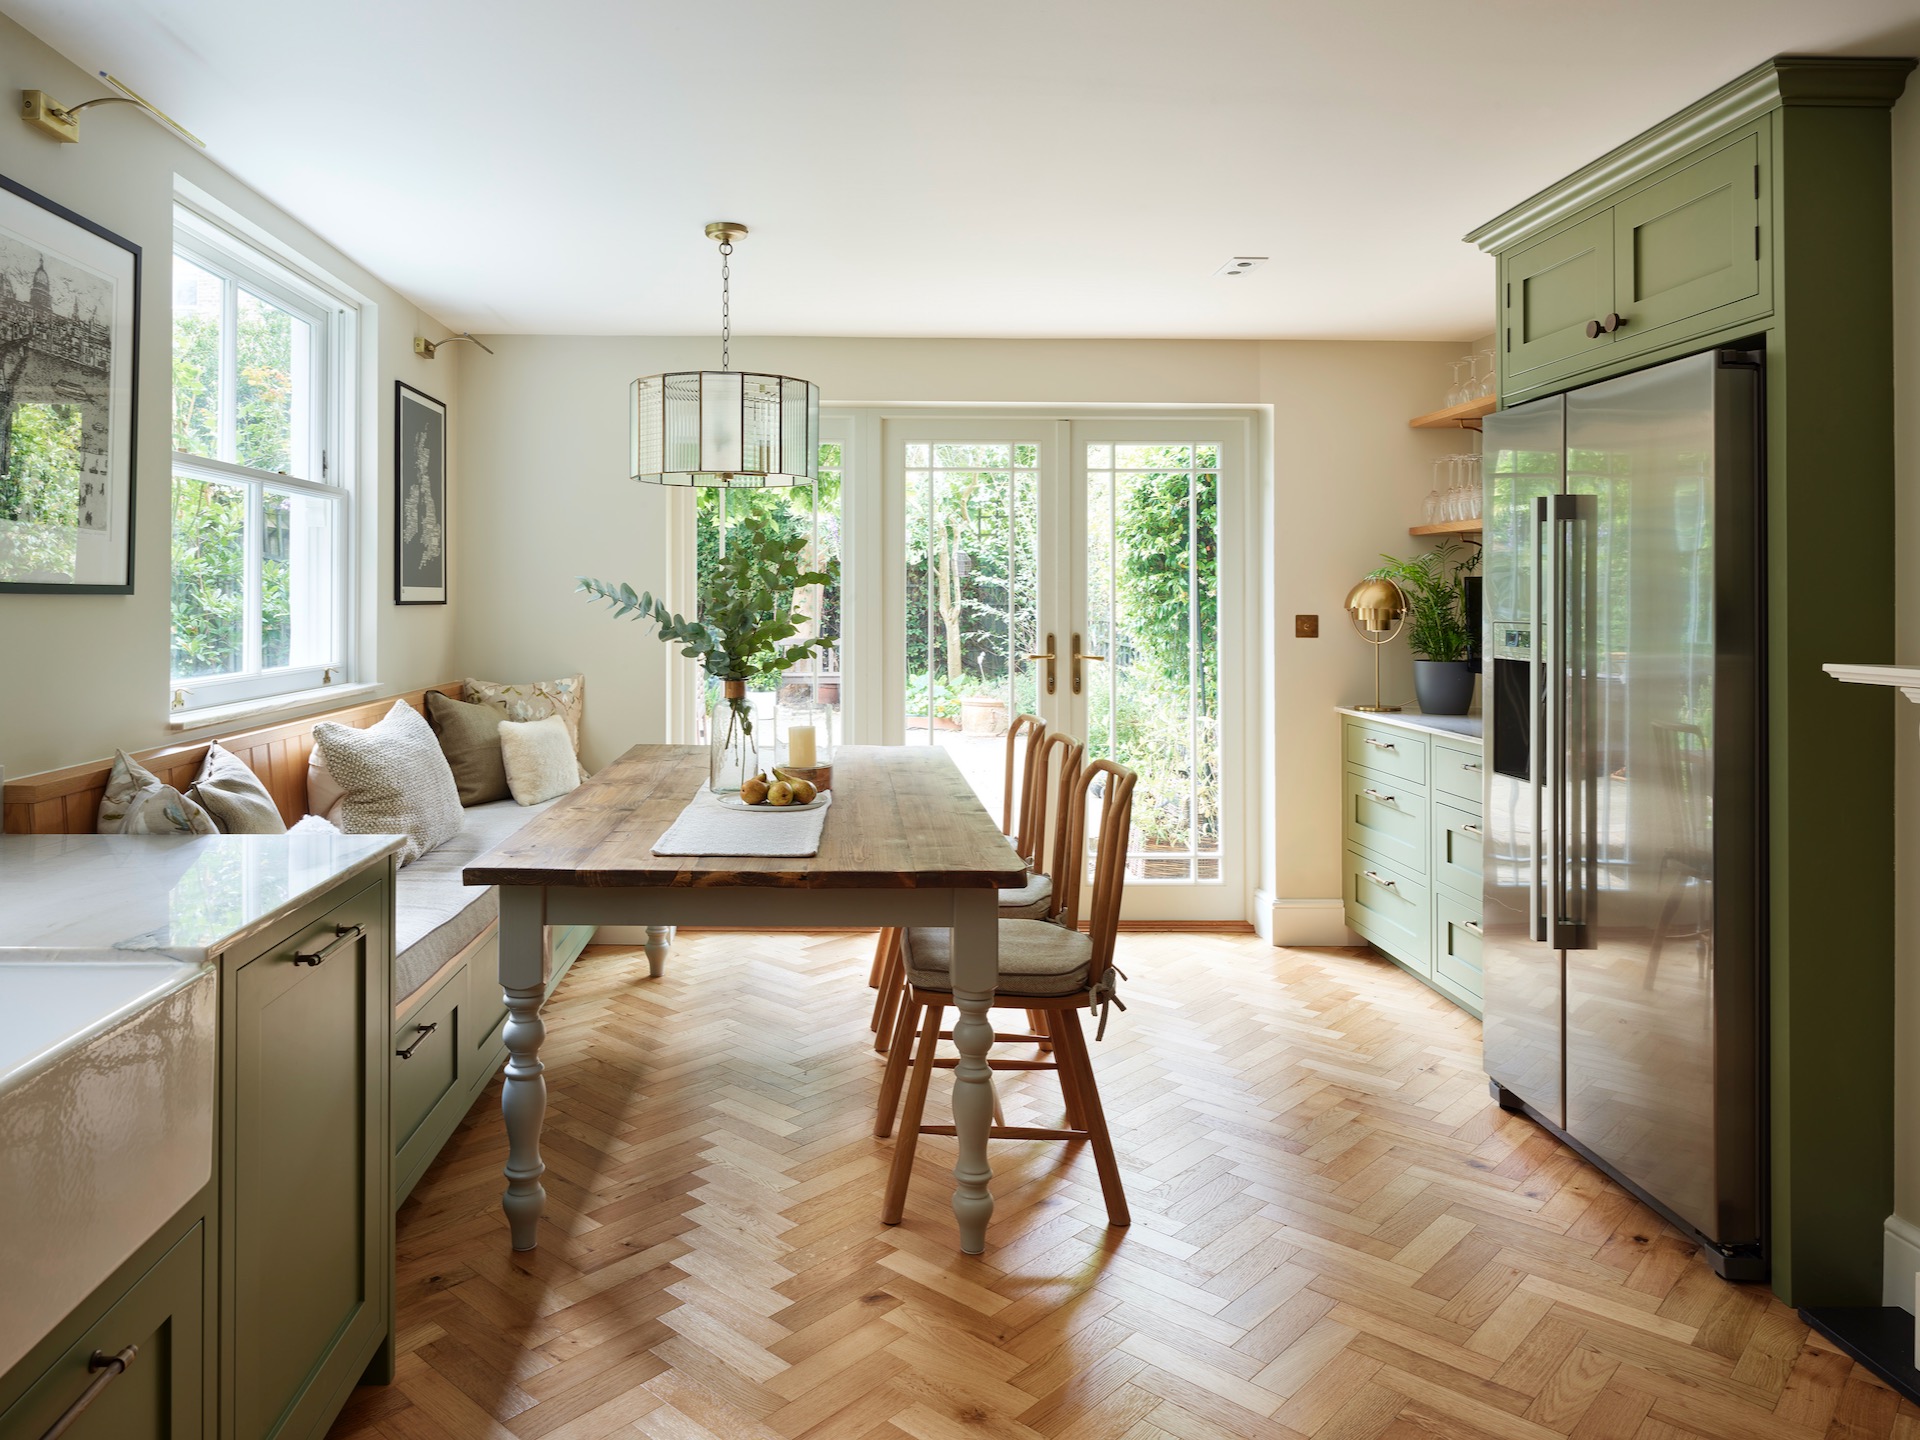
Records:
x=972, y=599
x=1151, y=646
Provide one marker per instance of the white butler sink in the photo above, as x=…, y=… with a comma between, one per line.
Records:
x=107, y=1076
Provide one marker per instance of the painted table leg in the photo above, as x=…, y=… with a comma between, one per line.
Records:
x=523, y=1095
x=659, y=943
x=976, y=967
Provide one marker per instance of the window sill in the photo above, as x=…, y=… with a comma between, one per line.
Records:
x=269, y=706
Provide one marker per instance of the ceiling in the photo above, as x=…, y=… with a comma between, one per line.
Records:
x=993, y=168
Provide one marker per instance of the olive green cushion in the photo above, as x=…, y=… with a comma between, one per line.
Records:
x=232, y=794
x=470, y=739
x=1037, y=959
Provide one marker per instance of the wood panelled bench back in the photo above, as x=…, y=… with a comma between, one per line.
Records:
x=67, y=802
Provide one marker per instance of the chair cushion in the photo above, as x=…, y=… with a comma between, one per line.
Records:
x=1030, y=901
x=435, y=914
x=1037, y=958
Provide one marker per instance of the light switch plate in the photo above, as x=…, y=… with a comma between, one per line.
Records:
x=1306, y=627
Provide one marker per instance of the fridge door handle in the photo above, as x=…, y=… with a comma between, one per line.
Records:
x=1572, y=750
x=1539, y=763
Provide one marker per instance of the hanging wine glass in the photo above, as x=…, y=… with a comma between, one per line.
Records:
x=1490, y=374
x=1453, y=391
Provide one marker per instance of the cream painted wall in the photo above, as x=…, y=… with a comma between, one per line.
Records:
x=543, y=502
x=81, y=674
x=1903, y=1228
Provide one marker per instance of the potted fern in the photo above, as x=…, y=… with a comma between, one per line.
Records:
x=739, y=633
x=1434, y=586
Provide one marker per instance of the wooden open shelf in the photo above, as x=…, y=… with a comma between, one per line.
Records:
x=1447, y=527
x=1456, y=417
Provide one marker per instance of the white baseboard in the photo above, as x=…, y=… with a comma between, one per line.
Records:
x=1899, y=1259
x=1302, y=922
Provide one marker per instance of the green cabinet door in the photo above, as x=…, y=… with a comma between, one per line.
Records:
x=1550, y=290
x=310, y=1212
x=161, y=1394
x=1689, y=246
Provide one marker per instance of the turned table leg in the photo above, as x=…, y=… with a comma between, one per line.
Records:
x=976, y=966
x=523, y=1094
x=659, y=944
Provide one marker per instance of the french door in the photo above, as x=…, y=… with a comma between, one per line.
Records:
x=1075, y=569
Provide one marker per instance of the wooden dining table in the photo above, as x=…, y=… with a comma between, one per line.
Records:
x=906, y=843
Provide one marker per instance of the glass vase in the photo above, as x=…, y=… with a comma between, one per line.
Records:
x=734, y=755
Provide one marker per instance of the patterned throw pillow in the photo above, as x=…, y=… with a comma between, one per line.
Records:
x=138, y=802
x=536, y=700
x=393, y=779
x=538, y=758
x=232, y=794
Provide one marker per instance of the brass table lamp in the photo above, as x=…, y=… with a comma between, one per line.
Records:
x=1378, y=610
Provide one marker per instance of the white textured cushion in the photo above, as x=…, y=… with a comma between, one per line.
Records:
x=539, y=759
x=394, y=780
x=323, y=791
x=138, y=802
x=1037, y=958
x=232, y=794
x=1031, y=901
x=313, y=825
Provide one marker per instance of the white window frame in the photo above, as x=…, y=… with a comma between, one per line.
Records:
x=329, y=464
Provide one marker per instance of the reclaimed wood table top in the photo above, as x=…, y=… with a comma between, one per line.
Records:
x=902, y=818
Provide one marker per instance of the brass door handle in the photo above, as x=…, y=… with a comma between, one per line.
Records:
x=1078, y=656
x=1053, y=676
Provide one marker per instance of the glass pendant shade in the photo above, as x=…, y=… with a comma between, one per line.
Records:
x=725, y=428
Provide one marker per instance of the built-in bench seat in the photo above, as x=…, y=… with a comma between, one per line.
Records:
x=448, y=1009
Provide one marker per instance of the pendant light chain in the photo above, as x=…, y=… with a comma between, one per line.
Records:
x=726, y=304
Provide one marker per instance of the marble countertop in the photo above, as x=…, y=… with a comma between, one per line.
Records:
x=1466, y=727
x=189, y=898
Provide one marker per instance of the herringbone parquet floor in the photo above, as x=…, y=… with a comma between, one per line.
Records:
x=1335, y=1234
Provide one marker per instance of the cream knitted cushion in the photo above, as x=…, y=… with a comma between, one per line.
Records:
x=393, y=780
x=139, y=802
x=539, y=759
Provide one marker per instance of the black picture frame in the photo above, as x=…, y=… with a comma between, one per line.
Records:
x=64, y=375
x=420, y=534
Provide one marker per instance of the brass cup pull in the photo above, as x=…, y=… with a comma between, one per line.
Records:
x=419, y=1038
x=342, y=935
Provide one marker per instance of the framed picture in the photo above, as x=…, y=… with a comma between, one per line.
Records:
x=420, y=490
x=69, y=367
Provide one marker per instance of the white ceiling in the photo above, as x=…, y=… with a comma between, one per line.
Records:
x=986, y=168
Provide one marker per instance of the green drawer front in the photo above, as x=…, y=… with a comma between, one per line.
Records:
x=1386, y=750
x=1391, y=908
x=426, y=1057
x=1456, y=950
x=1457, y=772
x=160, y=1395
x=1387, y=819
x=486, y=1001
x=1457, y=846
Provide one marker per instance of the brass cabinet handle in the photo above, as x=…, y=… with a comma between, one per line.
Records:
x=1470, y=765
x=1078, y=656
x=1053, y=681
x=1381, y=881
x=419, y=1038
x=342, y=935
x=1376, y=744
x=1376, y=795
x=1472, y=927
x=106, y=1369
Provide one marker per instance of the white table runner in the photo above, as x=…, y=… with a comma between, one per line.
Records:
x=706, y=827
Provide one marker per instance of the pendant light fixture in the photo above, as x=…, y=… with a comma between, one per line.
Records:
x=726, y=427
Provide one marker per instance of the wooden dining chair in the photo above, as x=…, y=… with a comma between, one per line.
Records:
x=1052, y=970
x=1022, y=820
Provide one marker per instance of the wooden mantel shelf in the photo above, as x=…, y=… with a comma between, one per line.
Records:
x=1904, y=678
x=1447, y=527
x=1465, y=416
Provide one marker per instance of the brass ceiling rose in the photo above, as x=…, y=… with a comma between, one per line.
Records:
x=725, y=231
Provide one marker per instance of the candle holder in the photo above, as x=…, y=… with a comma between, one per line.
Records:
x=806, y=733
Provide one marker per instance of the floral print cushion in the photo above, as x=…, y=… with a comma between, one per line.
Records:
x=535, y=700
x=139, y=802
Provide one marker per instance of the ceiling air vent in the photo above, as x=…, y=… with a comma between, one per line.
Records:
x=1241, y=264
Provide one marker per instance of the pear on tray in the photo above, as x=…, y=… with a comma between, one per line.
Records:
x=781, y=790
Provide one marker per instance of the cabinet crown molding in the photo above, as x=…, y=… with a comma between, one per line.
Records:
x=1784, y=81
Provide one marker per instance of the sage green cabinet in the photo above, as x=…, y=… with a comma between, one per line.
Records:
x=1412, y=849
x=307, y=1216
x=1553, y=288
x=162, y=1394
x=1680, y=254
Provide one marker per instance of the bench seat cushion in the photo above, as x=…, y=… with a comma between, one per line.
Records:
x=435, y=915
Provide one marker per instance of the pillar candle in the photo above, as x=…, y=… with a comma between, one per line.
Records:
x=800, y=751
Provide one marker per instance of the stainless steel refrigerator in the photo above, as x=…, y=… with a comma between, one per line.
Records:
x=1624, y=982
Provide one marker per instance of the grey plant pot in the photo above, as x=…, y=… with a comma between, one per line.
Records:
x=1443, y=687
